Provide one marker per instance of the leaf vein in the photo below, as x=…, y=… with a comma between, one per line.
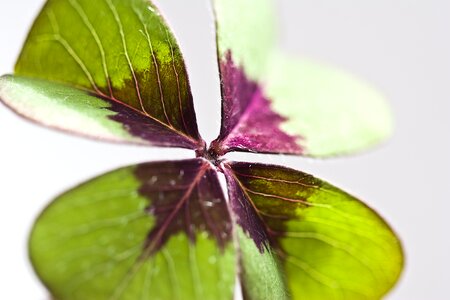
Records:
x=155, y=62
x=124, y=44
x=79, y=9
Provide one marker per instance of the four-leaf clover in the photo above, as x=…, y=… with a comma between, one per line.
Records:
x=112, y=70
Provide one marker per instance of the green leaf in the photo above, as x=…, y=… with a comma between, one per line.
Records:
x=312, y=110
x=152, y=231
x=121, y=51
x=261, y=273
x=329, y=245
x=334, y=112
x=73, y=110
x=246, y=28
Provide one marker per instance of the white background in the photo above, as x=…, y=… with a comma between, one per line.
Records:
x=402, y=47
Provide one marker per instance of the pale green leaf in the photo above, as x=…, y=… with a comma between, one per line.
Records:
x=327, y=244
x=151, y=231
x=119, y=51
x=276, y=103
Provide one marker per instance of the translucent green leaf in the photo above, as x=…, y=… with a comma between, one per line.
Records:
x=275, y=103
x=333, y=112
x=328, y=244
x=121, y=51
x=77, y=111
x=261, y=274
x=246, y=28
x=152, y=231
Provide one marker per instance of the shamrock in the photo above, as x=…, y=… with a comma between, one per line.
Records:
x=112, y=70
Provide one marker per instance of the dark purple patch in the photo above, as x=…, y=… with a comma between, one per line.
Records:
x=248, y=122
x=185, y=196
x=245, y=214
x=264, y=197
x=166, y=119
x=140, y=125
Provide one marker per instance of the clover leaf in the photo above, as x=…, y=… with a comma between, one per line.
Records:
x=112, y=70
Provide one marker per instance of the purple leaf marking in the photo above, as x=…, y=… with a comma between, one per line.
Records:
x=245, y=214
x=248, y=121
x=185, y=196
x=153, y=131
x=260, y=211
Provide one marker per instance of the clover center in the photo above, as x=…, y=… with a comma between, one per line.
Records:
x=212, y=154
